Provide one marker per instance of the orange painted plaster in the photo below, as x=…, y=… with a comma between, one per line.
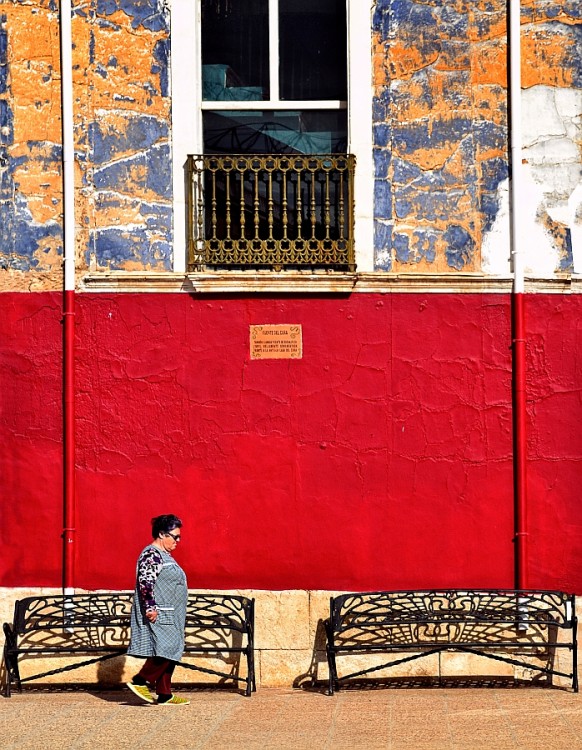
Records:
x=544, y=55
x=489, y=63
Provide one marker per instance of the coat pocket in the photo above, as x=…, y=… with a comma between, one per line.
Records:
x=165, y=616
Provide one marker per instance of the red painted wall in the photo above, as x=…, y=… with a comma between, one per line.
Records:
x=382, y=459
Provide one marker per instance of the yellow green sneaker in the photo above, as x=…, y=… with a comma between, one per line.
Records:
x=175, y=701
x=142, y=691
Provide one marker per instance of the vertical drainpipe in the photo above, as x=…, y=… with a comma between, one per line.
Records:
x=68, y=297
x=518, y=302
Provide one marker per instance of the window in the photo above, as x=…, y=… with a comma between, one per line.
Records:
x=271, y=182
x=274, y=76
x=274, y=90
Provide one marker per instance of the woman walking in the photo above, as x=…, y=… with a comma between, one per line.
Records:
x=158, y=615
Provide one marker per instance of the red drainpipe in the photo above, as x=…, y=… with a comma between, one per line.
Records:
x=69, y=440
x=519, y=439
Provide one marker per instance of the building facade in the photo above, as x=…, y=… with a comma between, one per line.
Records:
x=380, y=455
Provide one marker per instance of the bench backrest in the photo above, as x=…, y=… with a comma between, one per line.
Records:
x=100, y=619
x=219, y=611
x=458, y=611
x=75, y=611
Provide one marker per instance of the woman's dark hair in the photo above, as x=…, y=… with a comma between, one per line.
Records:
x=164, y=524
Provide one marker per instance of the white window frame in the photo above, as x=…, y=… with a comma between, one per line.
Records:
x=187, y=107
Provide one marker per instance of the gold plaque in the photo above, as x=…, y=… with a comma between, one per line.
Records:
x=283, y=341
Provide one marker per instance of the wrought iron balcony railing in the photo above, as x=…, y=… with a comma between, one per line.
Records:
x=271, y=211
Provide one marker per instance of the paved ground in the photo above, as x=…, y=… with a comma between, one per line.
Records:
x=415, y=718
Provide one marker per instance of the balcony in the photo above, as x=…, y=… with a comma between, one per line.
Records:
x=271, y=211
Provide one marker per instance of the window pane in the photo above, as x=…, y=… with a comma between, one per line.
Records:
x=312, y=38
x=306, y=132
x=235, y=50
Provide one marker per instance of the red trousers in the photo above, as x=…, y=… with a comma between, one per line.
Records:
x=158, y=672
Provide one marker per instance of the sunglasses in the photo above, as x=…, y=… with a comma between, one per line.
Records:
x=175, y=538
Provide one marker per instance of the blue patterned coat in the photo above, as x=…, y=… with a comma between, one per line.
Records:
x=165, y=636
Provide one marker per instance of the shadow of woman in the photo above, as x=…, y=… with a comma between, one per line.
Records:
x=110, y=672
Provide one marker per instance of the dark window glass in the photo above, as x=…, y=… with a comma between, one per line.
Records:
x=235, y=50
x=293, y=132
x=312, y=39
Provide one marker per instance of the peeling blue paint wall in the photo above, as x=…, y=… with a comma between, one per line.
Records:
x=121, y=104
x=436, y=184
x=127, y=137
x=27, y=241
x=440, y=112
x=440, y=134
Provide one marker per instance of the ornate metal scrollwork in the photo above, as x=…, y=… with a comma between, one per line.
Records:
x=498, y=624
x=271, y=211
x=97, y=625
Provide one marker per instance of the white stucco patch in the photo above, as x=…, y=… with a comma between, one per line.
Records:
x=570, y=213
x=541, y=257
x=552, y=175
x=495, y=249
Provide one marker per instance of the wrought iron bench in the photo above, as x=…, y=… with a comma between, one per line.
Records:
x=98, y=626
x=501, y=625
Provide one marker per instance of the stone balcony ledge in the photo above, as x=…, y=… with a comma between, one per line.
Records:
x=324, y=282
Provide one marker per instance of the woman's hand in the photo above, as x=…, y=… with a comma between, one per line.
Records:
x=152, y=615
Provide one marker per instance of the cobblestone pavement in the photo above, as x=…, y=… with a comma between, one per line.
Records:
x=393, y=719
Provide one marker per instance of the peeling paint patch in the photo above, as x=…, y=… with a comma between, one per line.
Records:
x=121, y=134
x=123, y=137
x=30, y=230
x=149, y=173
x=555, y=54
x=150, y=14
x=114, y=247
x=440, y=110
x=3, y=57
x=552, y=209
x=446, y=128
x=161, y=65
x=460, y=247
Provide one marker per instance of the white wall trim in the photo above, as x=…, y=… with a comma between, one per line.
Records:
x=360, y=95
x=186, y=92
x=294, y=282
